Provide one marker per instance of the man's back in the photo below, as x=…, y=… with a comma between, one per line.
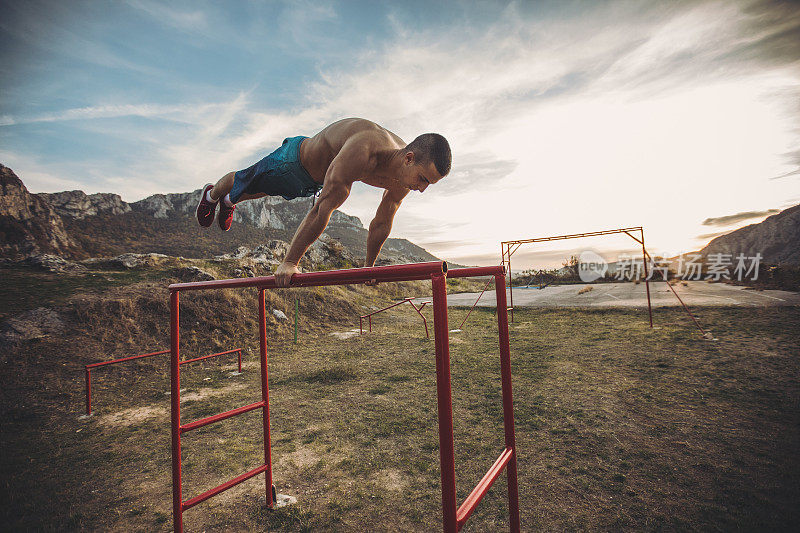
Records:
x=317, y=152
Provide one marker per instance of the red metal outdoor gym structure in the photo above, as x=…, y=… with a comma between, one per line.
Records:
x=88, y=368
x=404, y=300
x=453, y=516
x=507, y=249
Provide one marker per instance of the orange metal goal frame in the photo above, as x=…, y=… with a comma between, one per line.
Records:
x=507, y=249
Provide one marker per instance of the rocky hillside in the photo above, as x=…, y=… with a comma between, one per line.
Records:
x=28, y=223
x=77, y=226
x=777, y=239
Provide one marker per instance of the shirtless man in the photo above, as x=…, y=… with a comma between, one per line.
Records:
x=330, y=162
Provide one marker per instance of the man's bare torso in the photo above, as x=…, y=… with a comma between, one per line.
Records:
x=317, y=152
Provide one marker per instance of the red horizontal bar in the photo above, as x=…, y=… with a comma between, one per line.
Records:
x=413, y=271
x=472, y=272
x=404, y=300
x=482, y=487
x=221, y=488
x=207, y=356
x=221, y=416
x=104, y=363
x=573, y=236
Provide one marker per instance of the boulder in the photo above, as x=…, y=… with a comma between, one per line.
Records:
x=29, y=325
x=54, y=263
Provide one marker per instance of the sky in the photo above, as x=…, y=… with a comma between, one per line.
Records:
x=563, y=117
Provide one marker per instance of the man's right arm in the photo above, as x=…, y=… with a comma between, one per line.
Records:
x=346, y=167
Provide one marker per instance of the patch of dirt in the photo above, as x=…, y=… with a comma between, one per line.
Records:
x=133, y=416
x=346, y=334
x=391, y=479
x=301, y=457
x=210, y=393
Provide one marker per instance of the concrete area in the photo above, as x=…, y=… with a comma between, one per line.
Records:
x=693, y=293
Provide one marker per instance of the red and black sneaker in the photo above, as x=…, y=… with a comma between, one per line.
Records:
x=225, y=216
x=205, y=209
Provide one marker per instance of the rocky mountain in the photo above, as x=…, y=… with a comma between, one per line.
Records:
x=77, y=226
x=777, y=239
x=28, y=223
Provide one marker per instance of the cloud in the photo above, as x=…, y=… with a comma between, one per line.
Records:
x=473, y=171
x=181, y=113
x=728, y=220
x=709, y=236
x=186, y=20
x=792, y=158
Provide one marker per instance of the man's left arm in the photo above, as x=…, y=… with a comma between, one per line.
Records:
x=381, y=225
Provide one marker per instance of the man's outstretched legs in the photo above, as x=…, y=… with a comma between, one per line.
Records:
x=210, y=197
x=220, y=194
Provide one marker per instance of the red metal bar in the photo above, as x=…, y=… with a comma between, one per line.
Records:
x=508, y=402
x=483, y=487
x=175, y=411
x=114, y=361
x=221, y=488
x=262, y=337
x=475, y=272
x=220, y=416
x=409, y=272
x=88, y=373
x=214, y=355
x=419, y=312
x=404, y=300
x=88, y=391
x=88, y=368
x=443, y=386
x=574, y=236
x=476, y=303
x=696, y=323
x=646, y=276
x=444, y=404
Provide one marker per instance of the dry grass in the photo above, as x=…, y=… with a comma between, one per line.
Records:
x=618, y=426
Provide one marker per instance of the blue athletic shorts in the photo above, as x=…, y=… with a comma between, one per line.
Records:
x=278, y=174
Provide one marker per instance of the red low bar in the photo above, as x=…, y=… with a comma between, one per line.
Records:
x=104, y=363
x=221, y=488
x=475, y=272
x=404, y=300
x=209, y=356
x=221, y=416
x=413, y=271
x=482, y=487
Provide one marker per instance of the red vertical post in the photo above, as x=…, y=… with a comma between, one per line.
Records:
x=444, y=404
x=646, y=281
x=88, y=391
x=240, y=361
x=175, y=412
x=510, y=286
x=508, y=402
x=262, y=337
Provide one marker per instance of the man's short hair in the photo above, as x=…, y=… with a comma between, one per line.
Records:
x=432, y=147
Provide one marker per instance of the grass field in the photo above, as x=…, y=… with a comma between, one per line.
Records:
x=618, y=427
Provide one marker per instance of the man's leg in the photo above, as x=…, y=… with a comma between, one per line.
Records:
x=223, y=186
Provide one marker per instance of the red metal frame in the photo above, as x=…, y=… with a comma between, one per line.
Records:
x=88, y=368
x=453, y=517
x=404, y=300
x=507, y=249
x=476, y=303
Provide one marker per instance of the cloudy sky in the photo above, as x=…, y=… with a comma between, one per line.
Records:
x=563, y=117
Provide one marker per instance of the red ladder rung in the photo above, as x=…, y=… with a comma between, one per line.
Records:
x=221, y=416
x=483, y=487
x=221, y=488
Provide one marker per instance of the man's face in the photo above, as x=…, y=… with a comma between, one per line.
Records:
x=417, y=177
